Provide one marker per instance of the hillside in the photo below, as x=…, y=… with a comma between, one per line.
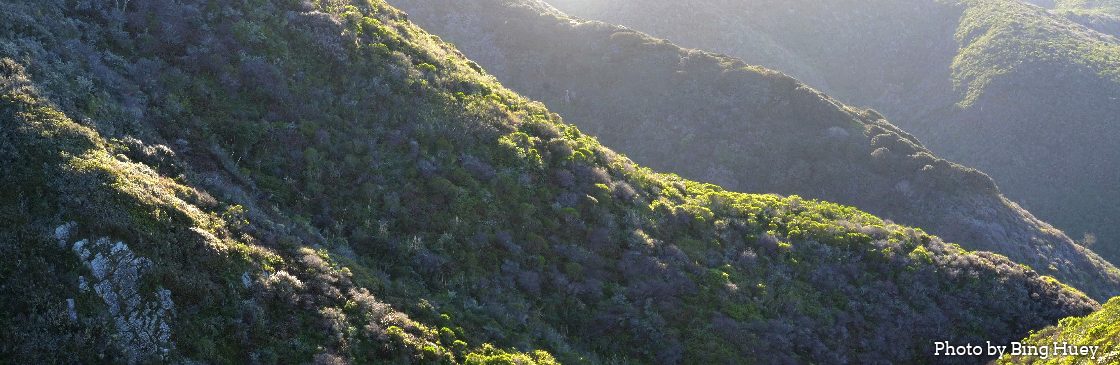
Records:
x=1102, y=16
x=1098, y=329
x=1020, y=92
x=1099, y=5
x=273, y=181
x=715, y=119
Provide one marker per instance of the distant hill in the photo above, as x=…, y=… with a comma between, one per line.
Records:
x=1102, y=16
x=716, y=119
x=1102, y=6
x=1023, y=93
x=293, y=182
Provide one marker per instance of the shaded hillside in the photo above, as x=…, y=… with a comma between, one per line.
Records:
x=1098, y=329
x=715, y=119
x=1018, y=91
x=286, y=182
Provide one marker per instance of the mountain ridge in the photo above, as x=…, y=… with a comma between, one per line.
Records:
x=714, y=118
x=326, y=182
x=994, y=84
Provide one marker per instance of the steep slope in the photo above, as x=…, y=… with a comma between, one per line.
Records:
x=715, y=119
x=236, y=181
x=152, y=269
x=1015, y=90
x=1098, y=329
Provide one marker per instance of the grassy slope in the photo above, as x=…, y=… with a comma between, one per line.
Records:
x=1098, y=329
x=714, y=119
x=333, y=150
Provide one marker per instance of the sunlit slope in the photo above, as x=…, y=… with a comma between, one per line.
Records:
x=1019, y=91
x=1101, y=329
x=715, y=119
x=294, y=182
x=109, y=258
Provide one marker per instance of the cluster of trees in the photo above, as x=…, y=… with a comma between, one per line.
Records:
x=1025, y=93
x=402, y=206
x=713, y=118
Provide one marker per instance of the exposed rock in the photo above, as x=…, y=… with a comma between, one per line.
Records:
x=62, y=233
x=142, y=322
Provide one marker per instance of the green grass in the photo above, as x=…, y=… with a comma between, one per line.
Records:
x=1101, y=329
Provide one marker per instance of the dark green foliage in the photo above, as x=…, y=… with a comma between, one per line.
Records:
x=715, y=119
x=1024, y=93
x=361, y=207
